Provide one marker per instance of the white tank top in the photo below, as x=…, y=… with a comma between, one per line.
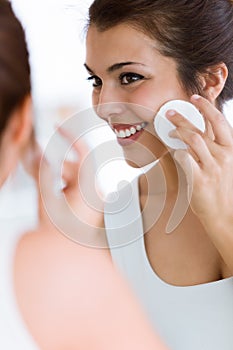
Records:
x=14, y=334
x=196, y=317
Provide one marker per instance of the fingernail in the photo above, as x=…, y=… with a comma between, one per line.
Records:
x=171, y=113
x=196, y=97
x=172, y=133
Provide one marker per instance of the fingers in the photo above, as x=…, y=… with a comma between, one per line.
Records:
x=70, y=174
x=204, y=147
x=83, y=169
x=48, y=200
x=72, y=170
x=179, y=120
x=46, y=181
x=198, y=146
x=78, y=146
x=31, y=160
x=80, y=176
x=221, y=128
x=192, y=136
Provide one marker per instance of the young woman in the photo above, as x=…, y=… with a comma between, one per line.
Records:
x=54, y=293
x=140, y=55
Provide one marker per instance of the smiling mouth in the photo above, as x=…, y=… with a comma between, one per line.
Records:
x=124, y=131
x=128, y=133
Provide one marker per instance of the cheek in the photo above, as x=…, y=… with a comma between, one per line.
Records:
x=144, y=97
x=152, y=98
x=147, y=102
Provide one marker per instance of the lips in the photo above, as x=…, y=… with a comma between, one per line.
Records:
x=128, y=133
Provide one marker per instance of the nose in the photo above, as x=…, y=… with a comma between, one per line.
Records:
x=109, y=103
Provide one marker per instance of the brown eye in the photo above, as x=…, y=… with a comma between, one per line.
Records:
x=129, y=78
x=96, y=81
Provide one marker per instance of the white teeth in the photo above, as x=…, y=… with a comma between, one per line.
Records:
x=128, y=132
x=133, y=130
x=121, y=134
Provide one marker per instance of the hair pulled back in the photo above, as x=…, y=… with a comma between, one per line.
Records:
x=198, y=34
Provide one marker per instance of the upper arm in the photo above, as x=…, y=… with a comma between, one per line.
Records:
x=109, y=315
x=71, y=297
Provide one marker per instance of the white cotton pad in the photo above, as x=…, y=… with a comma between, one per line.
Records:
x=163, y=126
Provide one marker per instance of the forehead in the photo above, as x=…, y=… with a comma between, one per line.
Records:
x=117, y=44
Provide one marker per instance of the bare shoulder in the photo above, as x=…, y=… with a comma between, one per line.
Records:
x=56, y=281
x=72, y=297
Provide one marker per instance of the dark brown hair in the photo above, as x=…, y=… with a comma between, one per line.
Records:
x=14, y=66
x=198, y=34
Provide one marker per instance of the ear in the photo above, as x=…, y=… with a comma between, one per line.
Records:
x=15, y=138
x=213, y=81
x=20, y=124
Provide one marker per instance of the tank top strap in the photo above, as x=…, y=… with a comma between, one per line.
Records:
x=123, y=217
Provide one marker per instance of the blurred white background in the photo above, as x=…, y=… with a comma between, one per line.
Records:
x=56, y=40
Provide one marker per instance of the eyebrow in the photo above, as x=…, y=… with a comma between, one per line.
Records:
x=114, y=67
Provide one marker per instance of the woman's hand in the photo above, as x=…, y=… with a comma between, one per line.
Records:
x=80, y=189
x=76, y=209
x=208, y=165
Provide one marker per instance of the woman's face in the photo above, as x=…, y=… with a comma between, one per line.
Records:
x=131, y=81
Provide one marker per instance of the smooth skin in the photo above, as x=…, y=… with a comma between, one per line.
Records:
x=127, y=71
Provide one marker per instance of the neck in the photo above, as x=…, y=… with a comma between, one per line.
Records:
x=167, y=176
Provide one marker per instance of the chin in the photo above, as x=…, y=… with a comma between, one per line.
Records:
x=140, y=156
x=140, y=162
x=132, y=164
